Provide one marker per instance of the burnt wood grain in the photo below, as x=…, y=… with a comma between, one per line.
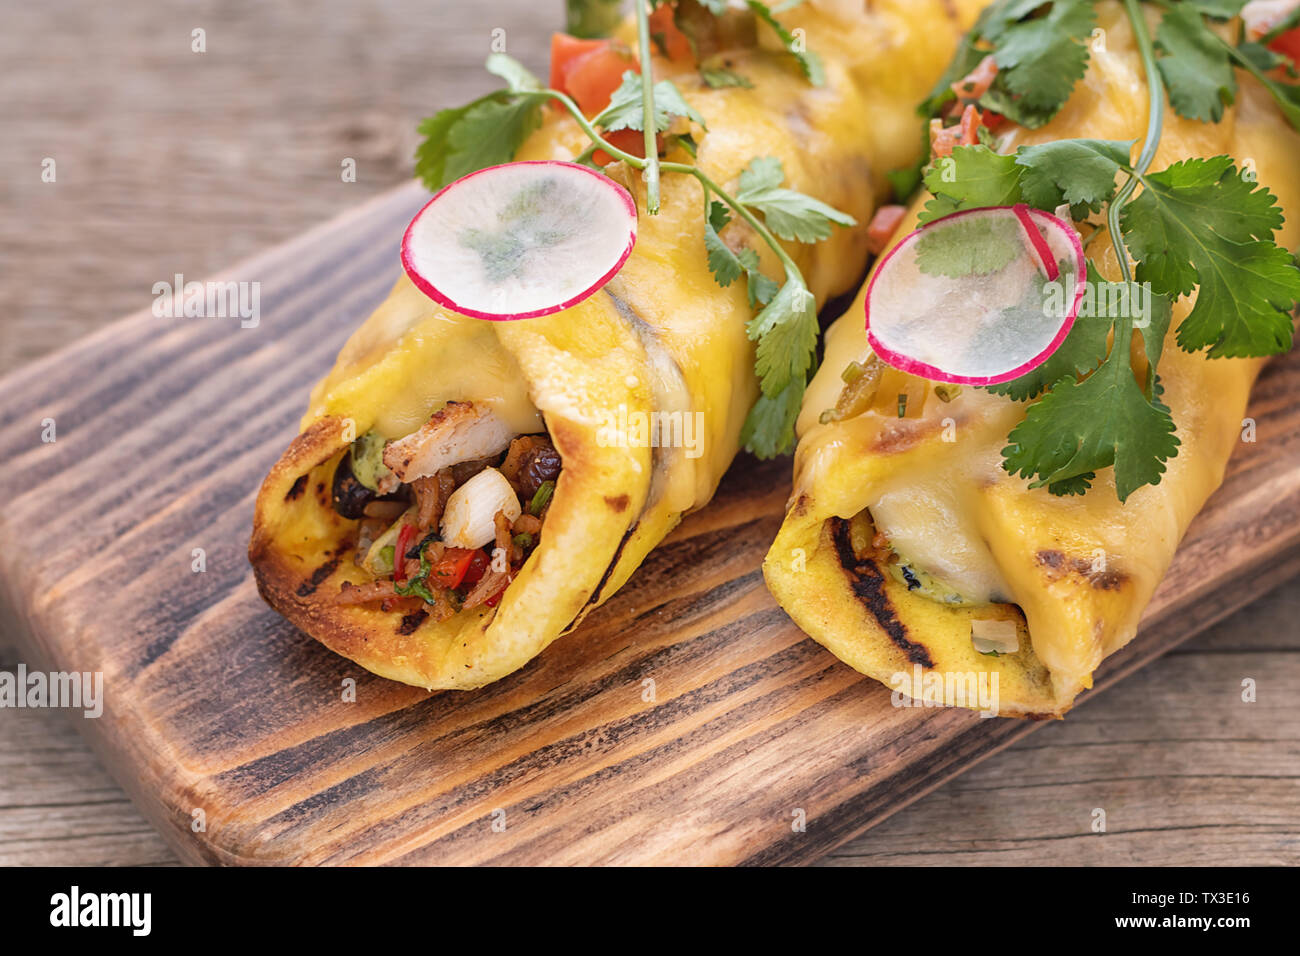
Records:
x=165, y=428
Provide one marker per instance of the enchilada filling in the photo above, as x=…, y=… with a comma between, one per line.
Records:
x=446, y=516
x=931, y=566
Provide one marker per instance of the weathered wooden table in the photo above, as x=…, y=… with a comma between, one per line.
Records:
x=169, y=160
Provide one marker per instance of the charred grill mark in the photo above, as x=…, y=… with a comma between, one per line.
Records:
x=318, y=577
x=868, y=586
x=296, y=491
x=1057, y=565
x=613, y=563
x=411, y=621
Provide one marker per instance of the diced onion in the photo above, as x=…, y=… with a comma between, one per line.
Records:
x=468, y=521
x=1000, y=636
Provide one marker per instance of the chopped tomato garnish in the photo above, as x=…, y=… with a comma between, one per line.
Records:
x=478, y=565
x=628, y=140
x=567, y=50
x=883, y=226
x=1288, y=44
x=450, y=571
x=663, y=27
x=978, y=82
x=399, y=553
x=994, y=121
x=943, y=140
x=588, y=70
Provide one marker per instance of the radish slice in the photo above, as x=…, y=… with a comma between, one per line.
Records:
x=520, y=240
x=979, y=297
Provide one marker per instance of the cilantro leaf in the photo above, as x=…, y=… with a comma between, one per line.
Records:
x=1197, y=68
x=1079, y=428
x=1080, y=172
x=973, y=177
x=1219, y=9
x=464, y=139
x=723, y=263
x=786, y=331
x=728, y=266
x=809, y=62
x=1040, y=59
x=1200, y=222
x=791, y=215
x=626, y=110
x=1154, y=332
x=769, y=429
x=760, y=288
x=517, y=76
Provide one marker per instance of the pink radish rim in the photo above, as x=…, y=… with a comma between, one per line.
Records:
x=913, y=366
x=1041, y=247
x=432, y=292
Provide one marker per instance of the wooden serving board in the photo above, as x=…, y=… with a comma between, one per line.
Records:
x=165, y=428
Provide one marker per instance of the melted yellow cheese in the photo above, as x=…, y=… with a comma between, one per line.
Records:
x=662, y=336
x=1082, y=568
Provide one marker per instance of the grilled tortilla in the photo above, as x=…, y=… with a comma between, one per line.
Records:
x=902, y=531
x=662, y=337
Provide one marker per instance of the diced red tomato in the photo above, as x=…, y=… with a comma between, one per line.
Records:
x=588, y=70
x=943, y=140
x=628, y=140
x=567, y=50
x=883, y=226
x=450, y=570
x=977, y=83
x=478, y=565
x=663, y=25
x=994, y=121
x=1288, y=44
x=404, y=538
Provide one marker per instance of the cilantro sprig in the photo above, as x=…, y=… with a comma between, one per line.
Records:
x=491, y=130
x=1041, y=51
x=1202, y=225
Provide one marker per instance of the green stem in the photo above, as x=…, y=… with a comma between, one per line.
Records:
x=741, y=210
x=1155, y=129
x=636, y=162
x=1286, y=26
x=1289, y=109
x=598, y=141
x=648, y=108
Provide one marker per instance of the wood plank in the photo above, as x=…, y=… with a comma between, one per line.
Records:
x=1176, y=727
x=1189, y=774
x=165, y=429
